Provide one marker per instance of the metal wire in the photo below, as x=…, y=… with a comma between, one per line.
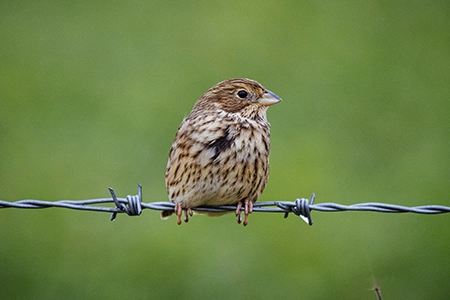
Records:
x=133, y=205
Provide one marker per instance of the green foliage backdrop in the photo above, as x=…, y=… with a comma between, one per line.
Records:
x=92, y=93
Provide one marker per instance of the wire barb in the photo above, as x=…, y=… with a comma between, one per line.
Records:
x=299, y=207
x=133, y=205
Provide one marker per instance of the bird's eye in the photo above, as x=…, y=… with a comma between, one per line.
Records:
x=242, y=94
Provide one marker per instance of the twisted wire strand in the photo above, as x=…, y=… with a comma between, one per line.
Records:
x=133, y=205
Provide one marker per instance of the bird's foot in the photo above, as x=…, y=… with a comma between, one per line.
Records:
x=179, y=212
x=248, y=209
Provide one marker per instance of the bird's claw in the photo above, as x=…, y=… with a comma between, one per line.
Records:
x=248, y=209
x=179, y=212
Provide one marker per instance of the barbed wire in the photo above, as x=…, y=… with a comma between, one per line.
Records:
x=133, y=206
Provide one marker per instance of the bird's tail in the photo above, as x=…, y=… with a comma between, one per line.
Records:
x=165, y=214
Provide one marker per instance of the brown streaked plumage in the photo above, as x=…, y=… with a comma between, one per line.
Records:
x=220, y=155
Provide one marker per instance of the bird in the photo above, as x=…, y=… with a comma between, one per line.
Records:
x=220, y=154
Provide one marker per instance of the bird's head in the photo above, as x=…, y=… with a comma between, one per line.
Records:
x=237, y=95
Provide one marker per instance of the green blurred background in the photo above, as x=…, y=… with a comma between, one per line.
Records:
x=92, y=93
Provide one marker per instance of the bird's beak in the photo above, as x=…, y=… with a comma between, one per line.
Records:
x=269, y=98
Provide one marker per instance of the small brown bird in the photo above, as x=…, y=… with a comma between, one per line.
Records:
x=220, y=155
